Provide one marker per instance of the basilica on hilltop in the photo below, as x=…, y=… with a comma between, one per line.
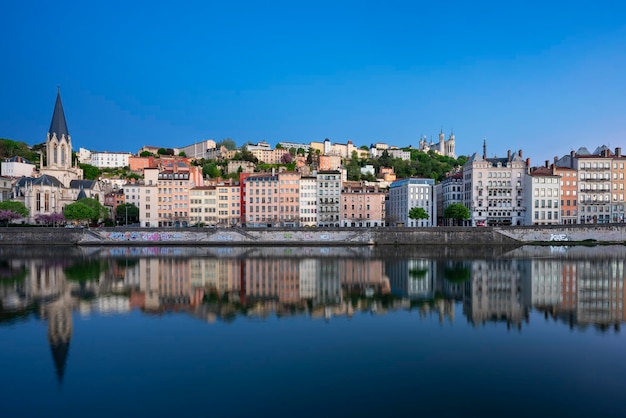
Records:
x=444, y=147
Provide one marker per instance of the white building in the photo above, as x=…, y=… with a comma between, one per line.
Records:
x=542, y=191
x=409, y=193
x=109, y=159
x=451, y=192
x=17, y=167
x=197, y=150
x=308, y=201
x=494, y=189
x=145, y=195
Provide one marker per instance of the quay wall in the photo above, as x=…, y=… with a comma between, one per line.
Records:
x=608, y=234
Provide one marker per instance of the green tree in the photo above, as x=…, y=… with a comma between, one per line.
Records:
x=146, y=154
x=211, y=170
x=90, y=172
x=456, y=211
x=15, y=207
x=101, y=212
x=127, y=213
x=182, y=154
x=279, y=146
x=353, y=168
x=227, y=143
x=78, y=211
x=418, y=213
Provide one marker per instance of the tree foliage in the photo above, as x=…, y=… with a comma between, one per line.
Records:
x=146, y=154
x=15, y=207
x=127, y=212
x=287, y=158
x=227, y=143
x=10, y=148
x=79, y=211
x=49, y=219
x=456, y=211
x=417, y=213
x=90, y=172
x=211, y=170
x=101, y=212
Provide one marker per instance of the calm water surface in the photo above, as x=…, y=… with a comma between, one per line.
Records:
x=312, y=332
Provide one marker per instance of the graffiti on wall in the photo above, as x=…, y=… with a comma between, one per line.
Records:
x=558, y=237
x=143, y=236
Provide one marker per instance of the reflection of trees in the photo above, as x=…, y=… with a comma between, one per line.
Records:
x=456, y=273
x=10, y=274
x=85, y=270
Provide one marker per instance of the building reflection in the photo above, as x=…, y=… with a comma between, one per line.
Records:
x=577, y=289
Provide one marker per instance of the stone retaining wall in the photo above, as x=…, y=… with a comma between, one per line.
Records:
x=326, y=237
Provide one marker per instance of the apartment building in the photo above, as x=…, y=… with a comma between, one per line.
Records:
x=569, y=194
x=542, y=190
x=228, y=204
x=173, y=198
x=328, y=197
x=308, y=201
x=17, y=167
x=618, y=172
x=107, y=159
x=362, y=205
x=493, y=189
x=406, y=194
x=451, y=189
x=203, y=205
x=148, y=193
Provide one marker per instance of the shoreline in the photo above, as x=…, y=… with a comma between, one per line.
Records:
x=601, y=234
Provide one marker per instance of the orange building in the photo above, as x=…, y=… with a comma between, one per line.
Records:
x=137, y=164
x=569, y=198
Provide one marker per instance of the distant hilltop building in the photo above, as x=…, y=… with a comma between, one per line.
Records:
x=443, y=147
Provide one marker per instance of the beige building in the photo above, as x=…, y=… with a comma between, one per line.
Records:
x=173, y=198
x=203, y=205
x=228, y=204
x=148, y=195
x=244, y=166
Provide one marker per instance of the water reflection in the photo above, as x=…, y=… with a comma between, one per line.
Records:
x=580, y=287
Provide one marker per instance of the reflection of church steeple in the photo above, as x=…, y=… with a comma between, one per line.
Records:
x=59, y=333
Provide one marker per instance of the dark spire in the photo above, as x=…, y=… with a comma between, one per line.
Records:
x=58, y=124
x=59, y=355
x=81, y=194
x=485, y=148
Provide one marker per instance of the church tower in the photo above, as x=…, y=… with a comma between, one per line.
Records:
x=58, y=161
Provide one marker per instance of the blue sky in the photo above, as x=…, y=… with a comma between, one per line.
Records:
x=546, y=77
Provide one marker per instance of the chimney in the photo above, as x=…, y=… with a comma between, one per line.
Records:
x=520, y=153
x=508, y=155
x=556, y=159
x=547, y=163
x=618, y=152
x=527, y=162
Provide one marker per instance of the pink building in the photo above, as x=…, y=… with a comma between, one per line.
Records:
x=361, y=205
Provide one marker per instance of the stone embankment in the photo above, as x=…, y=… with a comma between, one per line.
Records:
x=506, y=236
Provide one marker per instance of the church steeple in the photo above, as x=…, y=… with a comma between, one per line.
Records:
x=58, y=125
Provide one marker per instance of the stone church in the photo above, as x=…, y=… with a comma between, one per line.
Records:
x=58, y=181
